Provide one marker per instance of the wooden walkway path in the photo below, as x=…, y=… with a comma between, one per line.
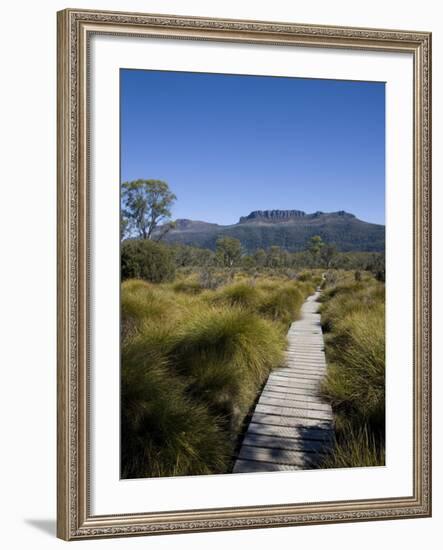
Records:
x=291, y=427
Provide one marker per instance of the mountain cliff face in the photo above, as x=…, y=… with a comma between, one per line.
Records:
x=277, y=216
x=289, y=229
x=272, y=215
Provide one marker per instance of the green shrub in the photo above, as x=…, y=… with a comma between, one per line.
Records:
x=147, y=260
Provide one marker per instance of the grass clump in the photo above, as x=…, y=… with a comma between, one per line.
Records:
x=242, y=294
x=225, y=354
x=283, y=304
x=353, y=317
x=142, y=301
x=356, y=447
x=188, y=286
x=356, y=378
x=164, y=433
x=275, y=299
x=349, y=298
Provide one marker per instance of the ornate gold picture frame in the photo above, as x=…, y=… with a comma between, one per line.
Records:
x=75, y=29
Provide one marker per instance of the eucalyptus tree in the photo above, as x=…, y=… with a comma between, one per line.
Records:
x=228, y=251
x=146, y=208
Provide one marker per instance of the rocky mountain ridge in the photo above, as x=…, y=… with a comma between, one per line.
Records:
x=290, y=229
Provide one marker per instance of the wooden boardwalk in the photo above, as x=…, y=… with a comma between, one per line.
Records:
x=291, y=427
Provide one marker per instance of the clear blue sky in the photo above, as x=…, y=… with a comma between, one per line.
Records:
x=229, y=144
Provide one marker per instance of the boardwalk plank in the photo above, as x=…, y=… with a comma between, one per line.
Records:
x=251, y=466
x=295, y=422
x=294, y=383
x=304, y=370
x=282, y=402
x=293, y=375
x=291, y=427
x=280, y=386
x=291, y=411
x=301, y=459
x=291, y=431
x=283, y=394
x=283, y=443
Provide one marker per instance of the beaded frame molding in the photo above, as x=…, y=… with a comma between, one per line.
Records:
x=75, y=28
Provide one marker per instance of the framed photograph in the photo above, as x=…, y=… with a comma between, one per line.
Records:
x=243, y=274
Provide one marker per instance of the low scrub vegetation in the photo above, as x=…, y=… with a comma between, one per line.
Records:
x=148, y=260
x=353, y=319
x=193, y=362
x=156, y=261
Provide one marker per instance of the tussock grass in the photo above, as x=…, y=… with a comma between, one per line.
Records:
x=142, y=301
x=243, y=294
x=348, y=298
x=283, y=304
x=356, y=377
x=139, y=297
x=188, y=286
x=311, y=276
x=353, y=316
x=226, y=354
x=164, y=433
x=355, y=447
x=193, y=361
x=278, y=300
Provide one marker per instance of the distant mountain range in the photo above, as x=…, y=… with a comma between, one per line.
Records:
x=289, y=229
